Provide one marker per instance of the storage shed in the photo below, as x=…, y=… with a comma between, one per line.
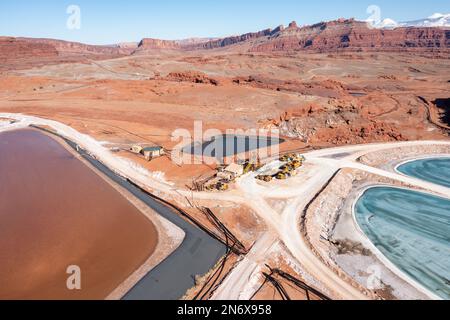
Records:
x=153, y=152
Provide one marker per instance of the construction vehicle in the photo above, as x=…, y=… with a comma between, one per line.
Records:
x=282, y=175
x=292, y=157
x=296, y=164
x=221, y=186
x=249, y=167
x=285, y=169
x=264, y=178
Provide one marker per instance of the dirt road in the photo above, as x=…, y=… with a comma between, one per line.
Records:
x=283, y=222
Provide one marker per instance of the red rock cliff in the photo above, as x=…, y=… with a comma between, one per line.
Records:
x=151, y=44
x=353, y=35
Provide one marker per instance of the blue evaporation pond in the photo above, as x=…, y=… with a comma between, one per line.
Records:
x=436, y=170
x=412, y=229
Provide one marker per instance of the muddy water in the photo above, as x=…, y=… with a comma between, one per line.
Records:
x=56, y=212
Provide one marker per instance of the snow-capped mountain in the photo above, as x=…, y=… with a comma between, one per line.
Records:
x=435, y=20
x=387, y=24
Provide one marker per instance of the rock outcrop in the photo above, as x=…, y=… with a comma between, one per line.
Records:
x=353, y=35
x=339, y=122
x=325, y=88
x=27, y=52
x=12, y=48
x=191, y=76
x=71, y=48
x=225, y=42
x=152, y=44
x=339, y=35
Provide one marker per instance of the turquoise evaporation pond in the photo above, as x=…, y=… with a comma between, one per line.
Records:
x=435, y=170
x=412, y=229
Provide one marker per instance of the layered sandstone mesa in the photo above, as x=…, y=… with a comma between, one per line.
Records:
x=342, y=34
x=12, y=48
x=22, y=53
x=225, y=42
x=321, y=37
x=155, y=44
x=148, y=44
x=131, y=46
x=27, y=47
x=194, y=41
x=73, y=48
x=353, y=35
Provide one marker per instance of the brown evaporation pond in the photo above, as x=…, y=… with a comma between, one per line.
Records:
x=56, y=212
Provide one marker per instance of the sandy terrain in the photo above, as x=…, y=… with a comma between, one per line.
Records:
x=309, y=97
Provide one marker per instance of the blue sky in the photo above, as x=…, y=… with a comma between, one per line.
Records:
x=109, y=21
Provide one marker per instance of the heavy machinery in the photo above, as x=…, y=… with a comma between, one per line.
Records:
x=292, y=161
x=296, y=164
x=282, y=175
x=290, y=167
x=284, y=158
x=285, y=169
x=221, y=186
x=250, y=166
x=218, y=186
x=264, y=178
x=292, y=157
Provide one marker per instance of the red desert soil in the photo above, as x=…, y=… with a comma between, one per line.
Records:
x=328, y=84
x=56, y=212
